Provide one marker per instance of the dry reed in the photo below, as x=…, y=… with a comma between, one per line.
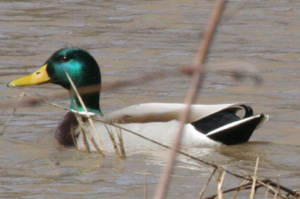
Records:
x=220, y=181
x=12, y=113
x=86, y=131
x=196, y=83
x=254, y=179
x=207, y=182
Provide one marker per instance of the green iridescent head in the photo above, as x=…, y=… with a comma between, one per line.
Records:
x=82, y=69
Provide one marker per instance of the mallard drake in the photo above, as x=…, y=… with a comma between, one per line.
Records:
x=207, y=125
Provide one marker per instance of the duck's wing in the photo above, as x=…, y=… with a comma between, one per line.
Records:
x=162, y=112
x=222, y=122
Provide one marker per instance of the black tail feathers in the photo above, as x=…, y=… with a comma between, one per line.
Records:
x=237, y=132
x=227, y=127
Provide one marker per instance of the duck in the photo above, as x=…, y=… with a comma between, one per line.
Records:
x=75, y=69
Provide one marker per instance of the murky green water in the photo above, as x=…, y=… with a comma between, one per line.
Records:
x=129, y=39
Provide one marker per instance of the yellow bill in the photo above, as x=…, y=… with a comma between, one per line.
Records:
x=38, y=77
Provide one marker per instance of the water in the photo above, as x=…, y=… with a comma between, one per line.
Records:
x=129, y=39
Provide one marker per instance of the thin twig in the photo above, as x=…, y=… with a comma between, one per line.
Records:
x=84, y=131
x=290, y=192
x=236, y=194
x=88, y=117
x=270, y=186
x=207, y=182
x=220, y=181
x=12, y=113
x=239, y=188
x=121, y=143
x=252, y=194
x=113, y=140
x=165, y=146
x=197, y=80
x=278, y=183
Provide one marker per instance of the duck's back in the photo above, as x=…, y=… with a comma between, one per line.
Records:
x=161, y=112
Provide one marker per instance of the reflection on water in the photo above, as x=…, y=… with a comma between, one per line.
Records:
x=131, y=38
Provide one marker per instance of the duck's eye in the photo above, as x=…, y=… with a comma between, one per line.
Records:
x=64, y=59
